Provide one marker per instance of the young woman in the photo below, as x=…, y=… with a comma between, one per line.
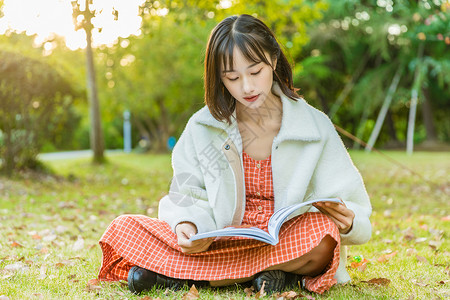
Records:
x=254, y=148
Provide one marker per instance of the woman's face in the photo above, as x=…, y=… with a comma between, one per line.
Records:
x=249, y=82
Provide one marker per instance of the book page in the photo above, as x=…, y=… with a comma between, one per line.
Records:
x=280, y=215
x=249, y=232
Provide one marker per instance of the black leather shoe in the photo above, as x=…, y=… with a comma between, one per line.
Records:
x=140, y=279
x=275, y=281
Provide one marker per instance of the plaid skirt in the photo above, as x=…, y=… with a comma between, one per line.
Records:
x=151, y=244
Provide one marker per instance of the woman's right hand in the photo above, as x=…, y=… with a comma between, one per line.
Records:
x=184, y=231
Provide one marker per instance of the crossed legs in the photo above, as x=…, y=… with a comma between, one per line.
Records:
x=311, y=264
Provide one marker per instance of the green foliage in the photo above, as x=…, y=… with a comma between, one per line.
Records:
x=363, y=44
x=158, y=74
x=35, y=107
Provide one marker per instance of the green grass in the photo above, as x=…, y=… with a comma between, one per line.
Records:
x=50, y=227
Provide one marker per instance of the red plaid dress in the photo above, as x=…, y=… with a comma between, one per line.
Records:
x=150, y=243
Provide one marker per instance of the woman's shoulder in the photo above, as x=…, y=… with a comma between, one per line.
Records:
x=204, y=117
x=320, y=118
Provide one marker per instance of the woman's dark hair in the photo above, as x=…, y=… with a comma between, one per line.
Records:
x=253, y=38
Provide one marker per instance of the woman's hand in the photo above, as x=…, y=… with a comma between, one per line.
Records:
x=184, y=231
x=339, y=213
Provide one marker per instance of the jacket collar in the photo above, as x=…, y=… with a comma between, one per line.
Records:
x=297, y=122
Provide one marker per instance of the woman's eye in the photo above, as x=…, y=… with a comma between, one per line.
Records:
x=233, y=79
x=256, y=73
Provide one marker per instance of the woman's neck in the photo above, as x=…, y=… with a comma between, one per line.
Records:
x=268, y=113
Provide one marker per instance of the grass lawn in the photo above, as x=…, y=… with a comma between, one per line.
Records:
x=49, y=228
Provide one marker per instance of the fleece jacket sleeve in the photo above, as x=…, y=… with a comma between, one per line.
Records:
x=336, y=176
x=187, y=200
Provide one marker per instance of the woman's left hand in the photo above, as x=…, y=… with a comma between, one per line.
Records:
x=339, y=213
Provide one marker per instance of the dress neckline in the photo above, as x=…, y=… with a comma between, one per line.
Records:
x=256, y=160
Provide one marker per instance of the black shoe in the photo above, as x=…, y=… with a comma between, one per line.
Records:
x=275, y=281
x=140, y=279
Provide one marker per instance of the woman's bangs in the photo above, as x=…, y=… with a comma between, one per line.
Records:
x=225, y=55
x=251, y=48
x=247, y=44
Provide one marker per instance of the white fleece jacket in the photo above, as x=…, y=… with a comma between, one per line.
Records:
x=309, y=161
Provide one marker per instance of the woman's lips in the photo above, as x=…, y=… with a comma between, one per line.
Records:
x=251, y=98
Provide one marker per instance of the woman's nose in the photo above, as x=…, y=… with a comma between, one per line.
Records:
x=247, y=85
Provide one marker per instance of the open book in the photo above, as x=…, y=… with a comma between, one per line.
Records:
x=274, y=225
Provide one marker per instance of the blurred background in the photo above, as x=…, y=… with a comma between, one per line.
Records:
x=110, y=74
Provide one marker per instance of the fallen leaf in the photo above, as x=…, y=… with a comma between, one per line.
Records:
x=49, y=238
x=78, y=245
x=310, y=297
x=410, y=251
x=44, y=250
x=40, y=296
x=36, y=237
x=419, y=283
x=192, y=294
x=408, y=234
x=249, y=291
x=18, y=266
x=424, y=226
x=386, y=257
x=356, y=265
x=421, y=259
x=15, y=244
x=42, y=272
x=434, y=244
x=290, y=295
x=420, y=240
x=446, y=218
x=93, y=285
x=362, y=267
x=261, y=292
x=379, y=281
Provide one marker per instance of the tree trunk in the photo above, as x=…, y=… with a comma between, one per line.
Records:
x=414, y=98
x=427, y=115
x=96, y=135
x=9, y=152
x=163, y=126
x=323, y=102
x=391, y=127
x=384, y=109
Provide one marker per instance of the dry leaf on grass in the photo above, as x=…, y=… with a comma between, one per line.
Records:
x=289, y=295
x=409, y=234
x=379, y=281
x=421, y=259
x=192, y=294
x=419, y=283
x=93, y=285
x=446, y=218
x=249, y=291
x=261, y=292
x=15, y=244
x=357, y=265
x=386, y=257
